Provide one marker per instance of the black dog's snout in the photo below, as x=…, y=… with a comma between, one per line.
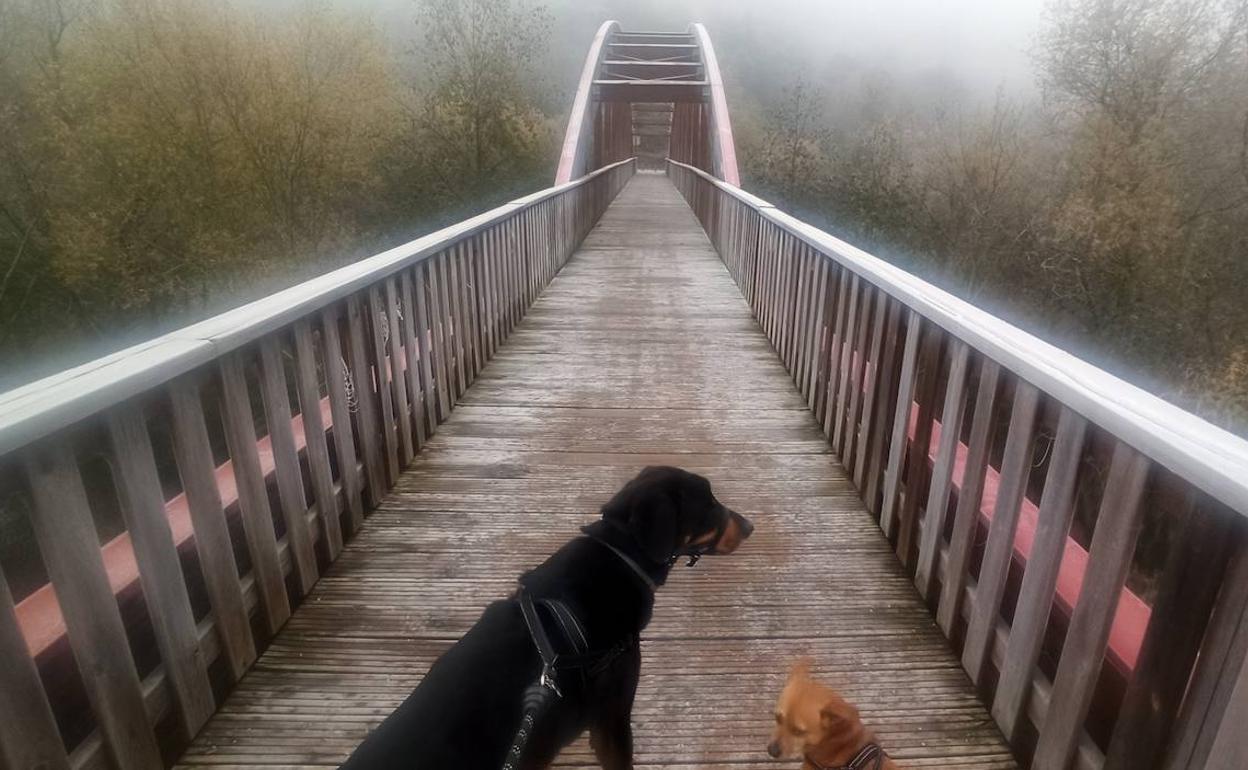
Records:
x=747, y=526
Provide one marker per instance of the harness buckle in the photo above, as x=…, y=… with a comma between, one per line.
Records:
x=548, y=681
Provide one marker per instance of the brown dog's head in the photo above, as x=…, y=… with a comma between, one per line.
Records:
x=809, y=715
x=668, y=511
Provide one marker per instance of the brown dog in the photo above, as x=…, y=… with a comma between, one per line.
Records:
x=813, y=722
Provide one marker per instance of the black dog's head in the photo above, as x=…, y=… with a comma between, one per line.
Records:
x=668, y=511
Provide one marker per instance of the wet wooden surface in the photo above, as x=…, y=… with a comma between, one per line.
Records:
x=642, y=351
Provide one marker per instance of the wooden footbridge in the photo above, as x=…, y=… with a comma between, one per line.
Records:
x=257, y=532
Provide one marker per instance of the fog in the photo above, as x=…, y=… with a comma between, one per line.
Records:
x=978, y=46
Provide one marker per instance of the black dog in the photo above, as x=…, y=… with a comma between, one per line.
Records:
x=465, y=713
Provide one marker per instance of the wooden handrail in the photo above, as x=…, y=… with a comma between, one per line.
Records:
x=380, y=352
x=35, y=410
x=1207, y=456
x=911, y=386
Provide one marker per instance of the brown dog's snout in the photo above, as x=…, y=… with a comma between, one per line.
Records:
x=773, y=749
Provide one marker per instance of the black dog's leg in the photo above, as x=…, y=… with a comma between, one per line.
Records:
x=611, y=733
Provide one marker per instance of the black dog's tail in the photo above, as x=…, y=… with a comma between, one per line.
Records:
x=537, y=699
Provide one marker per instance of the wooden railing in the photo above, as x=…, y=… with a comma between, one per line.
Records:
x=128, y=651
x=988, y=456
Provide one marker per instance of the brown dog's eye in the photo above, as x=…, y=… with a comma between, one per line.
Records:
x=779, y=719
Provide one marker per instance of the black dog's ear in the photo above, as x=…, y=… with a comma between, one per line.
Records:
x=653, y=520
x=649, y=514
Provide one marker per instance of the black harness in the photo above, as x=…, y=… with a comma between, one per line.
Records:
x=540, y=695
x=871, y=757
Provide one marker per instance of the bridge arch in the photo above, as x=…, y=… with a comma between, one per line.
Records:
x=652, y=95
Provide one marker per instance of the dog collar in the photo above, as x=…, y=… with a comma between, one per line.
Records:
x=629, y=561
x=871, y=756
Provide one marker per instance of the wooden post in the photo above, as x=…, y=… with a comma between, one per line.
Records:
x=29, y=736
x=1012, y=487
x=197, y=469
x=253, y=497
x=65, y=530
x=315, y=446
x=1109, y=558
x=160, y=572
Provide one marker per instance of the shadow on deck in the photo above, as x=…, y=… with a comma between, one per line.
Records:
x=641, y=351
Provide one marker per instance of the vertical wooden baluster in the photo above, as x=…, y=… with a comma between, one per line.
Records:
x=467, y=304
x=870, y=382
x=767, y=258
x=424, y=334
x=413, y=354
x=1230, y=740
x=836, y=276
x=1035, y=597
x=65, y=530
x=377, y=328
x=818, y=337
x=845, y=365
x=400, y=363
x=160, y=572
x=494, y=290
x=485, y=277
x=799, y=316
x=253, y=498
x=459, y=347
x=834, y=353
x=437, y=324
x=916, y=466
x=775, y=311
x=1194, y=569
x=1011, y=489
x=286, y=463
x=197, y=469
x=814, y=323
x=885, y=406
x=901, y=423
x=966, y=516
x=28, y=733
x=942, y=470
x=1109, y=558
x=789, y=319
x=366, y=408
x=859, y=361
x=316, y=448
x=340, y=410
x=475, y=299
x=508, y=275
x=1208, y=729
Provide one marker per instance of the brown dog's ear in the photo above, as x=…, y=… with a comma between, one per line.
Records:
x=801, y=668
x=838, y=716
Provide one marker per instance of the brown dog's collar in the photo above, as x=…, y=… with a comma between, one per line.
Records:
x=871, y=757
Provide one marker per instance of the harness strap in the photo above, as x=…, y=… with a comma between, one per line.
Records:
x=871, y=753
x=629, y=561
x=541, y=694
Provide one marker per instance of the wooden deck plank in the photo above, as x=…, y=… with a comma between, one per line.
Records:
x=641, y=351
